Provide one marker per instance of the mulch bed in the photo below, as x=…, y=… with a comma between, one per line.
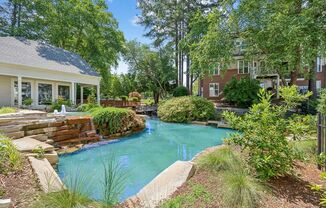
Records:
x=21, y=187
x=283, y=192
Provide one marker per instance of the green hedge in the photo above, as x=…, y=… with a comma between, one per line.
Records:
x=115, y=120
x=186, y=109
x=180, y=91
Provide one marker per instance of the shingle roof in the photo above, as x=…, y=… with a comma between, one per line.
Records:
x=42, y=55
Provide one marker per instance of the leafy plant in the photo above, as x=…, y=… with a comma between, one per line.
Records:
x=87, y=107
x=242, y=92
x=115, y=120
x=221, y=159
x=91, y=99
x=240, y=190
x=180, y=91
x=5, y=110
x=124, y=98
x=186, y=109
x=40, y=152
x=27, y=102
x=322, y=102
x=10, y=158
x=59, y=102
x=135, y=99
x=148, y=101
x=305, y=150
x=300, y=126
x=264, y=130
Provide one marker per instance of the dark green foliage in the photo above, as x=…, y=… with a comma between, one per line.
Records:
x=124, y=98
x=87, y=107
x=186, y=109
x=241, y=92
x=27, y=101
x=322, y=102
x=114, y=120
x=180, y=91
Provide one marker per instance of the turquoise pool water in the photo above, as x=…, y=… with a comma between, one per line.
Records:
x=143, y=155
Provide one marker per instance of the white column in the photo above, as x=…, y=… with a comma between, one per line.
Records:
x=73, y=97
x=98, y=94
x=278, y=87
x=20, y=99
x=81, y=94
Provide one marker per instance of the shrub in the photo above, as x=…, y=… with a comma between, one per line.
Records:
x=186, y=109
x=180, y=91
x=264, y=130
x=240, y=190
x=135, y=95
x=148, y=101
x=59, y=102
x=28, y=101
x=115, y=120
x=322, y=102
x=87, y=107
x=10, y=158
x=91, y=99
x=5, y=110
x=220, y=160
x=124, y=98
x=301, y=126
x=134, y=99
x=241, y=92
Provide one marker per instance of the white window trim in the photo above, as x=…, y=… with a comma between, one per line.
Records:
x=243, y=67
x=218, y=89
x=12, y=90
x=53, y=91
x=319, y=65
x=63, y=84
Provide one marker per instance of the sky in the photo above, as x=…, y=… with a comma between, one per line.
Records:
x=125, y=12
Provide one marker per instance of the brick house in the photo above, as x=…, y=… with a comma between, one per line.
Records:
x=211, y=87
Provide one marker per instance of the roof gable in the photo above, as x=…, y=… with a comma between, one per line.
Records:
x=42, y=55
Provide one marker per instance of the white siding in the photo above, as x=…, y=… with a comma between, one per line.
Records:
x=5, y=91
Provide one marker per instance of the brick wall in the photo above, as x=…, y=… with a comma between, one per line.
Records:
x=225, y=77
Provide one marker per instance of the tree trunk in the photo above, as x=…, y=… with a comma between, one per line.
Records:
x=156, y=97
x=296, y=69
x=177, y=51
x=188, y=74
x=13, y=19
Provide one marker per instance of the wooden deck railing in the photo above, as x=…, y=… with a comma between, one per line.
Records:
x=119, y=103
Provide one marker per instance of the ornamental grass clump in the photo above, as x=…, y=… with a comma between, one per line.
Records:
x=186, y=109
x=220, y=160
x=10, y=158
x=5, y=110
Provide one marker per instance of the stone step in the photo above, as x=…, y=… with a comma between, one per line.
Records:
x=165, y=184
x=28, y=144
x=79, y=140
x=52, y=157
x=46, y=175
x=11, y=128
x=16, y=135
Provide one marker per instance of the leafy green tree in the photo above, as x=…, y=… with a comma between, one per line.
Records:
x=243, y=92
x=264, y=130
x=322, y=102
x=153, y=70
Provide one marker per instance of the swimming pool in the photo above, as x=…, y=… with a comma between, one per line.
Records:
x=143, y=155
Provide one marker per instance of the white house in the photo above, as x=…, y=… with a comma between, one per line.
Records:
x=42, y=72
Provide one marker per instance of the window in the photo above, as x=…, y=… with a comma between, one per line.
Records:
x=243, y=67
x=213, y=89
x=318, y=85
x=319, y=65
x=44, y=94
x=64, y=92
x=216, y=71
x=26, y=91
